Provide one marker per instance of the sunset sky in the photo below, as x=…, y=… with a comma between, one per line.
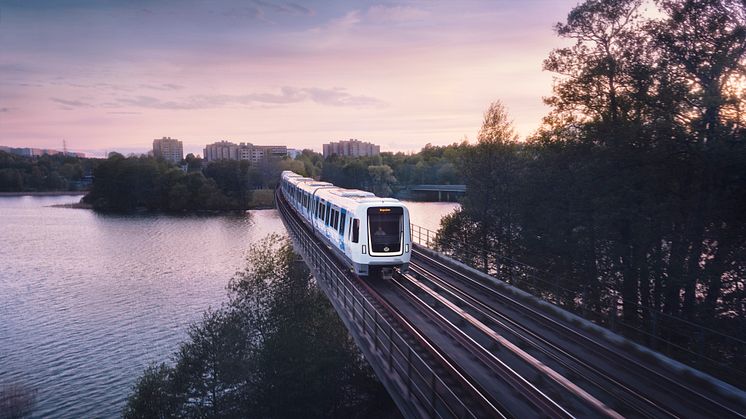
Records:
x=114, y=75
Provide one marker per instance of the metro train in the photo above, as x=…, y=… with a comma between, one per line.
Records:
x=369, y=233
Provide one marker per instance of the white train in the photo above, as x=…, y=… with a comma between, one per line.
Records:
x=368, y=232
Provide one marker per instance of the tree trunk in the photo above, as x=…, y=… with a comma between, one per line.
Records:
x=672, y=302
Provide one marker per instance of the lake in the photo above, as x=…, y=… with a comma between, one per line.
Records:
x=87, y=300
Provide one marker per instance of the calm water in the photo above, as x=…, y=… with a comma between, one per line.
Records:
x=87, y=300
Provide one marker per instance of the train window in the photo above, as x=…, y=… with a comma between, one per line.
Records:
x=385, y=229
x=342, y=224
x=328, y=213
x=355, y=230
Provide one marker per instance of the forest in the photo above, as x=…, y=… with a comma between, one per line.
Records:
x=45, y=173
x=388, y=173
x=132, y=183
x=629, y=203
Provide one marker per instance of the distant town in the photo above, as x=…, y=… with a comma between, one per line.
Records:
x=172, y=149
x=38, y=152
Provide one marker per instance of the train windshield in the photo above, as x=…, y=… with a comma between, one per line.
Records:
x=385, y=227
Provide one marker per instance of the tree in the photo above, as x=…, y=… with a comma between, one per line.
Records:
x=277, y=349
x=490, y=181
x=381, y=177
x=152, y=396
x=706, y=41
x=632, y=191
x=598, y=70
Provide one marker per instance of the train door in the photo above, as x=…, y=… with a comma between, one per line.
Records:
x=342, y=222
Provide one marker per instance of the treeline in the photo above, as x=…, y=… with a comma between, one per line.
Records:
x=630, y=202
x=387, y=173
x=44, y=173
x=130, y=183
x=276, y=350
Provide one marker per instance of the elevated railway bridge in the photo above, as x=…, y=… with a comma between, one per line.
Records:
x=448, y=341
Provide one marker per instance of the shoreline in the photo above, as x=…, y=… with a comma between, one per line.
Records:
x=81, y=205
x=45, y=193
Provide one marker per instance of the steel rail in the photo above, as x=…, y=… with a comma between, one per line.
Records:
x=352, y=284
x=505, y=372
x=571, y=363
x=608, y=353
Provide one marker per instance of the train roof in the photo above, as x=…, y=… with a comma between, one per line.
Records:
x=354, y=197
x=297, y=180
x=289, y=174
x=328, y=191
x=351, y=193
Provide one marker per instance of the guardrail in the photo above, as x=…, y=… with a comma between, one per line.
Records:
x=412, y=382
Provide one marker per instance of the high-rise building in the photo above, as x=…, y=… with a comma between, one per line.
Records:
x=221, y=150
x=169, y=149
x=351, y=147
x=225, y=150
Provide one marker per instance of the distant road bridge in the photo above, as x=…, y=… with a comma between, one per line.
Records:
x=448, y=341
x=435, y=192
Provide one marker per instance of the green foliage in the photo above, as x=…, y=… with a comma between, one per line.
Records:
x=390, y=172
x=152, y=396
x=277, y=349
x=632, y=191
x=44, y=173
x=17, y=401
x=126, y=184
x=193, y=163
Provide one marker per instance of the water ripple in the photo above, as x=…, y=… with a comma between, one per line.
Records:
x=87, y=301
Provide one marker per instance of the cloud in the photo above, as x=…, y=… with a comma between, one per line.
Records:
x=291, y=8
x=328, y=97
x=164, y=86
x=382, y=14
x=341, y=24
x=301, y=9
x=339, y=97
x=262, y=8
x=4, y=109
x=245, y=12
x=72, y=103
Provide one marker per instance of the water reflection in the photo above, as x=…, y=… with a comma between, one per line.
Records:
x=88, y=300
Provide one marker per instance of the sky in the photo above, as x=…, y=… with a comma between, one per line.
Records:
x=114, y=75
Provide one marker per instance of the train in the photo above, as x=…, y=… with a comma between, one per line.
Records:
x=370, y=234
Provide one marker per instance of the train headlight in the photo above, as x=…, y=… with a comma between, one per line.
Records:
x=406, y=248
x=365, y=249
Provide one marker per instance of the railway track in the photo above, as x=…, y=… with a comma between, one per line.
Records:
x=427, y=375
x=602, y=371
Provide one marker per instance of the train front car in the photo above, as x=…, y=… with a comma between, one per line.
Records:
x=388, y=240
x=369, y=233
